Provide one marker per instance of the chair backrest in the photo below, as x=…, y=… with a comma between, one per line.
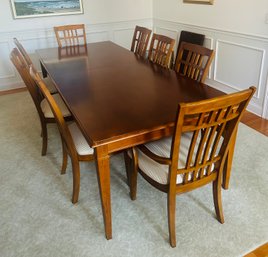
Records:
x=62, y=126
x=23, y=51
x=190, y=37
x=23, y=69
x=70, y=35
x=140, y=40
x=160, y=50
x=210, y=133
x=197, y=62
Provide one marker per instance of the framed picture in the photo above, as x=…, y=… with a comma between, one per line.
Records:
x=199, y=1
x=37, y=8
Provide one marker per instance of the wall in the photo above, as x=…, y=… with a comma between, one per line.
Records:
x=104, y=19
x=243, y=16
x=236, y=30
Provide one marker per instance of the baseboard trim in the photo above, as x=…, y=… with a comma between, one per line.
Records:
x=13, y=91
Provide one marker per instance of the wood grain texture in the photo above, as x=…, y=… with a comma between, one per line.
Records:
x=13, y=91
x=255, y=122
x=70, y=35
x=140, y=41
x=261, y=251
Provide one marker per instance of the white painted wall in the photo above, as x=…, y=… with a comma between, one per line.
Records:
x=244, y=16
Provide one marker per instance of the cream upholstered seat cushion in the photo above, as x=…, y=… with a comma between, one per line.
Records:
x=47, y=110
x=159, y=172
x=81, y=145
x=50, y=85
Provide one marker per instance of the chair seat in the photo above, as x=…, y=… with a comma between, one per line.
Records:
x=50, y=85
x=159, y=172
x=81, y=145
x=47, y=110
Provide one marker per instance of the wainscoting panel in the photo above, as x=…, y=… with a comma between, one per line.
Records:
x=123, y=37
x=240, y=60
x=98, y=36
x=6, y=68
x=238, y=71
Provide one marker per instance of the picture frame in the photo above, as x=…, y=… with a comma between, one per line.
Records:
x=199, y=1
x=40, y=8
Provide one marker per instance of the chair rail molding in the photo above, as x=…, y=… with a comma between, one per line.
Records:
x=240, y=60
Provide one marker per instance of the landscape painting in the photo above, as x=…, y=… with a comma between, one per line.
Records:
x=36, y=8
x=199, y=1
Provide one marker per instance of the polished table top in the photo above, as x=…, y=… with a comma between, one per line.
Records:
x=113, y=94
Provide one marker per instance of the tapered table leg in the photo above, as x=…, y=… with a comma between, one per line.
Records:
x=103, y=171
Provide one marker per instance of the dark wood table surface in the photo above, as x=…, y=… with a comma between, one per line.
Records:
x=118, y=100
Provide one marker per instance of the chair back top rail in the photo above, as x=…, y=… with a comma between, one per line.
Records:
x=160, y=50
x=70, y=35
x=194, y=61
x=23, y=51
x=23, y=69
x=140, y=40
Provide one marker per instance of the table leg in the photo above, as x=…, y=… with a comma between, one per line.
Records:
x=228, y=162
x=103, y=172
x=44, y=71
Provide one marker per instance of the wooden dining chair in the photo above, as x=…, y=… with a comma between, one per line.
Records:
x=43, y=109
x=74, y=143
x=140, y=41
x=70, y=35
x=194, y=156
x=196, y=63
x=190, y=37
x=160, y=50
x=50, y=85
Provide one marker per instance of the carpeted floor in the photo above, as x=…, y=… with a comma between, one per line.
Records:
x=37, y=217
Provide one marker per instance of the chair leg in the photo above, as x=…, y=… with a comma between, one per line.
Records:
x=133, y=174
x=76, y=180
x=44, y=138
x=128, y=166
x=64, y=158
x=171, y=206
x=228, y=163
x=217, y=200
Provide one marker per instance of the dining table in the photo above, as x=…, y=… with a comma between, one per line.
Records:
x=118, y=100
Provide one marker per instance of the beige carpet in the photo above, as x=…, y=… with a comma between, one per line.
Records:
x=37, y=217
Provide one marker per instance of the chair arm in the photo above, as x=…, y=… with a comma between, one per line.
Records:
x=155, y=157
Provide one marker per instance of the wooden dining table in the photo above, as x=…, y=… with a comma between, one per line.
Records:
x=118, y=100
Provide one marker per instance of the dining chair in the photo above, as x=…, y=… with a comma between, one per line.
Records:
x=140, y=41
x=196, y=63
x=194, y=156
x=160, y=50
x=43, y=109
x=74, y=143
x=190, y=37
x=70, y=35
x=49, y=82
